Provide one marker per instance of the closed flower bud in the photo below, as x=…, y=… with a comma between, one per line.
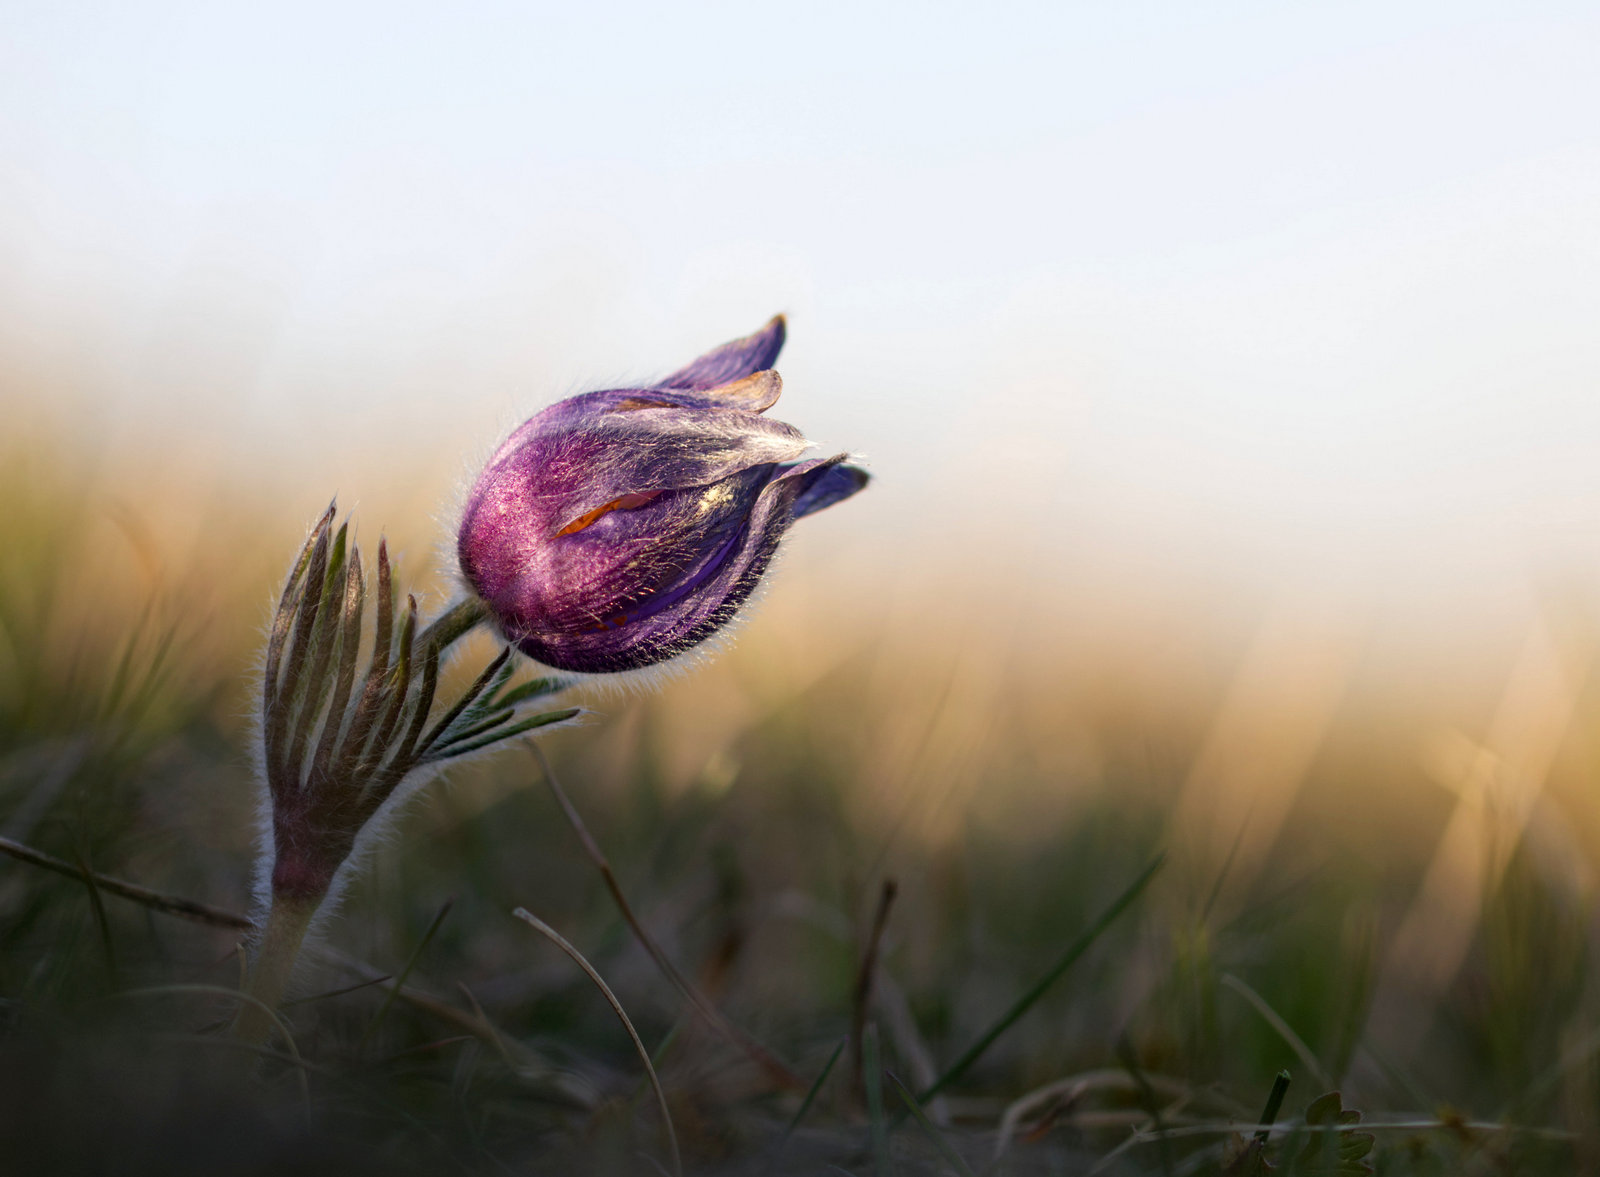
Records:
x=620, y=528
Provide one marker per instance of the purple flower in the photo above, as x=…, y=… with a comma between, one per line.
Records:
x=620, y=528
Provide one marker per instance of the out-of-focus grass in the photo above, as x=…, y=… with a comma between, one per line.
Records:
x=1381, y=883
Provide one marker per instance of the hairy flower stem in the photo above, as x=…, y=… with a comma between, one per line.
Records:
x=455, y=622
x=285, y=930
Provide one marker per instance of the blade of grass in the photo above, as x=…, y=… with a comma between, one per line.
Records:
x=561, y=942
x=763, y=1057
x=1270, y=1016
x=1067, y=959
x=521, y=1058
x=1288, y=1128
x=1542, y=1086
x=873, y=1078
x=400, y=981
x=97, y=904
x=865, y=974
x=1226, y=869
x=486, y=1028
x=937, y=1137
x=332, y=993
x=668, y=1041
x=811, y=1095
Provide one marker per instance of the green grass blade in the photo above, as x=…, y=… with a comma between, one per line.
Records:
x=400, y=981
x=1282, y=1028
x=939, y=1142
x=872, y=1079
x=1068, y=958
x=811, y=1094
x=101, y=922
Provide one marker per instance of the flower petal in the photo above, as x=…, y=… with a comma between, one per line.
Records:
x=549, y=477
x=700, y=597
x=732, y=361
x=753, y=394
x=831, y=485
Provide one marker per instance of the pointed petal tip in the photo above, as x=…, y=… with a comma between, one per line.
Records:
x=754, y=393
x=830, y=482
x=734, y=360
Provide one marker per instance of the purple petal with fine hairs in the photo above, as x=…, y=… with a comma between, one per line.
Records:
x=542, y=479
x=832, y=485
x=753, y=394
x=732, y=361
x=700, y=596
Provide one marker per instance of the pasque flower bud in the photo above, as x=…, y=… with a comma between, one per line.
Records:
x=620, y=528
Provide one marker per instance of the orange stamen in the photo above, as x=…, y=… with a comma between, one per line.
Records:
x=627, y=502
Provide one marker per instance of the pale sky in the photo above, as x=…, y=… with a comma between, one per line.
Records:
x=1324, y=276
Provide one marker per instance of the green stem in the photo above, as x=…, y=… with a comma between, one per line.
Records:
x=454, y=623
x=280, y=948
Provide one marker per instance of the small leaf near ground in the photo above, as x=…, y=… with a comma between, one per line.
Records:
x=1333, y=1147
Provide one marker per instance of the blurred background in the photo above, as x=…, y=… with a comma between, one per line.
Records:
x=1228, y=375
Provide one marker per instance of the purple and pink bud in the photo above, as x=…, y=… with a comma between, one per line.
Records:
x=621, y=528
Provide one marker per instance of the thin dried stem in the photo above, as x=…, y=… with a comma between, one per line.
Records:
x=775, y=1068
x=188, y=909
x=560, y=942
x=864, y=976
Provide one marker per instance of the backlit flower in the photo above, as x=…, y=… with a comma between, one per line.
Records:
x=620, y=528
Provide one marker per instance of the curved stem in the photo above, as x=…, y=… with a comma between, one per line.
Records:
x=280, y=948
x=454, y=623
